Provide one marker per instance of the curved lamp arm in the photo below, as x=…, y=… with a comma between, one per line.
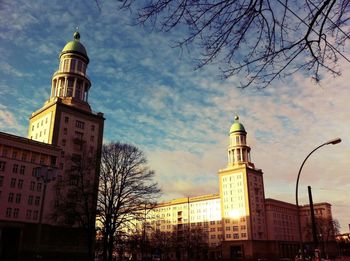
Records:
x=333, y=142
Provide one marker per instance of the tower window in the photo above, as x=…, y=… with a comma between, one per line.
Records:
x=78, y=89
x=72, y=65
x=70, y=87
x=65, y=65
x=79, y=66
x=79, y=124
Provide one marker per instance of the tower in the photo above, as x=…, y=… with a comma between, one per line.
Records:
x=67, y=121
x=241, y=191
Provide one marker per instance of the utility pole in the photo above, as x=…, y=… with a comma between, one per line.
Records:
x=314, y=231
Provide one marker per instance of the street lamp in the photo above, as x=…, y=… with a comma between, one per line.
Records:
x=46, y=175
x=333, y=142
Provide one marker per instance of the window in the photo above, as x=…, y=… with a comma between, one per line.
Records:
x=228, y=235
x=32, y=185
x=15, y=213
x=63, y=142
x=42, y=159
x=8, y=212
x=15, y=168
x=79, y=135
x=235, y=228
x=92, y=138
x=32, y=127
x=18, y=198
x=28, y=214
x=228, y=228
x=35, y=215
x=4, y=152
x=66, y=119
x=13, y=183
x=10, y=198
x=2, y=165
x=78, y=88
x=30, y=200
x=70, y=87
x=22, y=169
x=92, y=127
x=79, y=66
x=37, y=200
x=65, y=65
x=72, y=65
x=38, y=186
x=79, y=124
x=24, y=156
x=243, y=234
x=235, y=236
x=33, y=159
x=20, y=183
x=65, y=131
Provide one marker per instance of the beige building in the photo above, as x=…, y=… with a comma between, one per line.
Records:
x=41, y=176
x=238, y=223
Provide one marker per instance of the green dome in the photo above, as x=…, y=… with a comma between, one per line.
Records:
x=237, y=126
x=75, y=46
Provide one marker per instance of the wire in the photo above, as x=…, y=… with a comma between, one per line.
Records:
x=327, y=17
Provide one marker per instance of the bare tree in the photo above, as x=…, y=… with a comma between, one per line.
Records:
x=126, y=187
x=258, y=40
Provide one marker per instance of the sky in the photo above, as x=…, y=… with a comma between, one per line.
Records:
x=152, y=97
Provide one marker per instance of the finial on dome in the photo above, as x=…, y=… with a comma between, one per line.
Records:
x=236, y=117
x=76, y=34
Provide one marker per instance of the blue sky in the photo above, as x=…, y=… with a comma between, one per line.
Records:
x=180, y=118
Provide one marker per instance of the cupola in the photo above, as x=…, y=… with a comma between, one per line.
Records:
x=238, y=151
x=70, y=82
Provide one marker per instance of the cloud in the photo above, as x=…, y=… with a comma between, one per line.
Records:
x=10, y=70
x=7, y=121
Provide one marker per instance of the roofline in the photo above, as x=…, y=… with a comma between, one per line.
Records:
x=29, y=141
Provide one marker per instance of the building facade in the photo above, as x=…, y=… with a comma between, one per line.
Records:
x=42, y=176
x=238, y=223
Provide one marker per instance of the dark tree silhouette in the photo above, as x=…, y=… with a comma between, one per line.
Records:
x=257, y=40
x=126, y=189
x=76, y=195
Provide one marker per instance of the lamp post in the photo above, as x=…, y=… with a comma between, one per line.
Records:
x=46, y=175
x=333, y=142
